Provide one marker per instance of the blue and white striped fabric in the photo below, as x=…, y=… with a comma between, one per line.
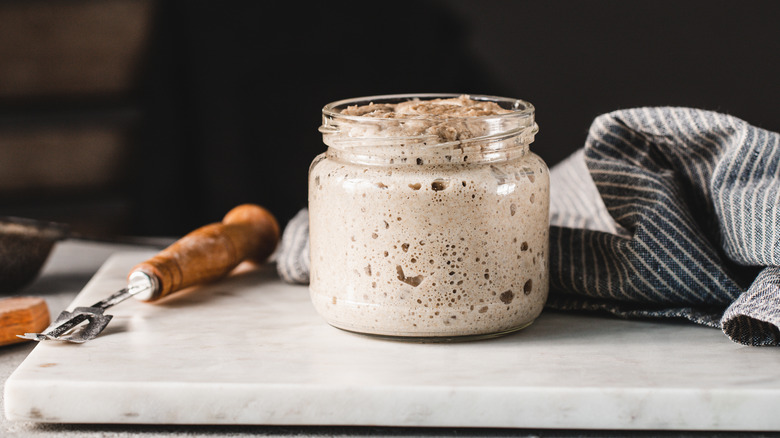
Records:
x=292, y=256
x=665, y=213
x=692, y=223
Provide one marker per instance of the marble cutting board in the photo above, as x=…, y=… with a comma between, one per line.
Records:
x=251, y=350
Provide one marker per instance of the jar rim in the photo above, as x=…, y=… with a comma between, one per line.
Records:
x=371, y=139
x=520, y=108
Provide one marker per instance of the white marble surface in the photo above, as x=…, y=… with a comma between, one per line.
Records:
x=251, y=350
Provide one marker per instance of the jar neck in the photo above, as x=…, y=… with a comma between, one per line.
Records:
x=427, y=141
x=473, y=151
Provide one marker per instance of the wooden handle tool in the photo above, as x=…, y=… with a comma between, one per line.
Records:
x=248, y=232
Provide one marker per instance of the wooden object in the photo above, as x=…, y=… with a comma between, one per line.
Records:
x=248, y=232
x=20, y=315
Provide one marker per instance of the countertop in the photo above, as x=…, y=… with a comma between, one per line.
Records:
x=69, y=269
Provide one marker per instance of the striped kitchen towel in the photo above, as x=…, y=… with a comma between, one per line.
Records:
x=292, y=256
x=664, y=213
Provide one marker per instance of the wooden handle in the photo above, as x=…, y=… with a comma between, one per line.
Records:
x=248, y=232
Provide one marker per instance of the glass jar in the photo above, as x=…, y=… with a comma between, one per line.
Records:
x=429, y=227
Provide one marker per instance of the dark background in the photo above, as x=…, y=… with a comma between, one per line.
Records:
x=153, y=117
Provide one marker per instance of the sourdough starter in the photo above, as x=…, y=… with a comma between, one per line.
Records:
x=440, y=237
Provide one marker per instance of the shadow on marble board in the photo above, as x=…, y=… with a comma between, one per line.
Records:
x=566, y=327
x=244, y=278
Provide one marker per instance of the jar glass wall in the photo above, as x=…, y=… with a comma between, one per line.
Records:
x=429, y=217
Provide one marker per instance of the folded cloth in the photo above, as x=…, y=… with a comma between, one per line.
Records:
x=664, y=213
x=292, y=257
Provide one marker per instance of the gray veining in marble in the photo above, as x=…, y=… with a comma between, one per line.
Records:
x=251, y=350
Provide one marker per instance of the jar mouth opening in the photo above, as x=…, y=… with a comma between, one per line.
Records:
x=520, y=108
x=428, y=133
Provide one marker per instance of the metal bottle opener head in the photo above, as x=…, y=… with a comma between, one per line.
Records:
x=71, y=327
x=85, y=323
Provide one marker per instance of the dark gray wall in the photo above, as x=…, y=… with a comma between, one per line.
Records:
x=578, y=59
x=227, y=100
